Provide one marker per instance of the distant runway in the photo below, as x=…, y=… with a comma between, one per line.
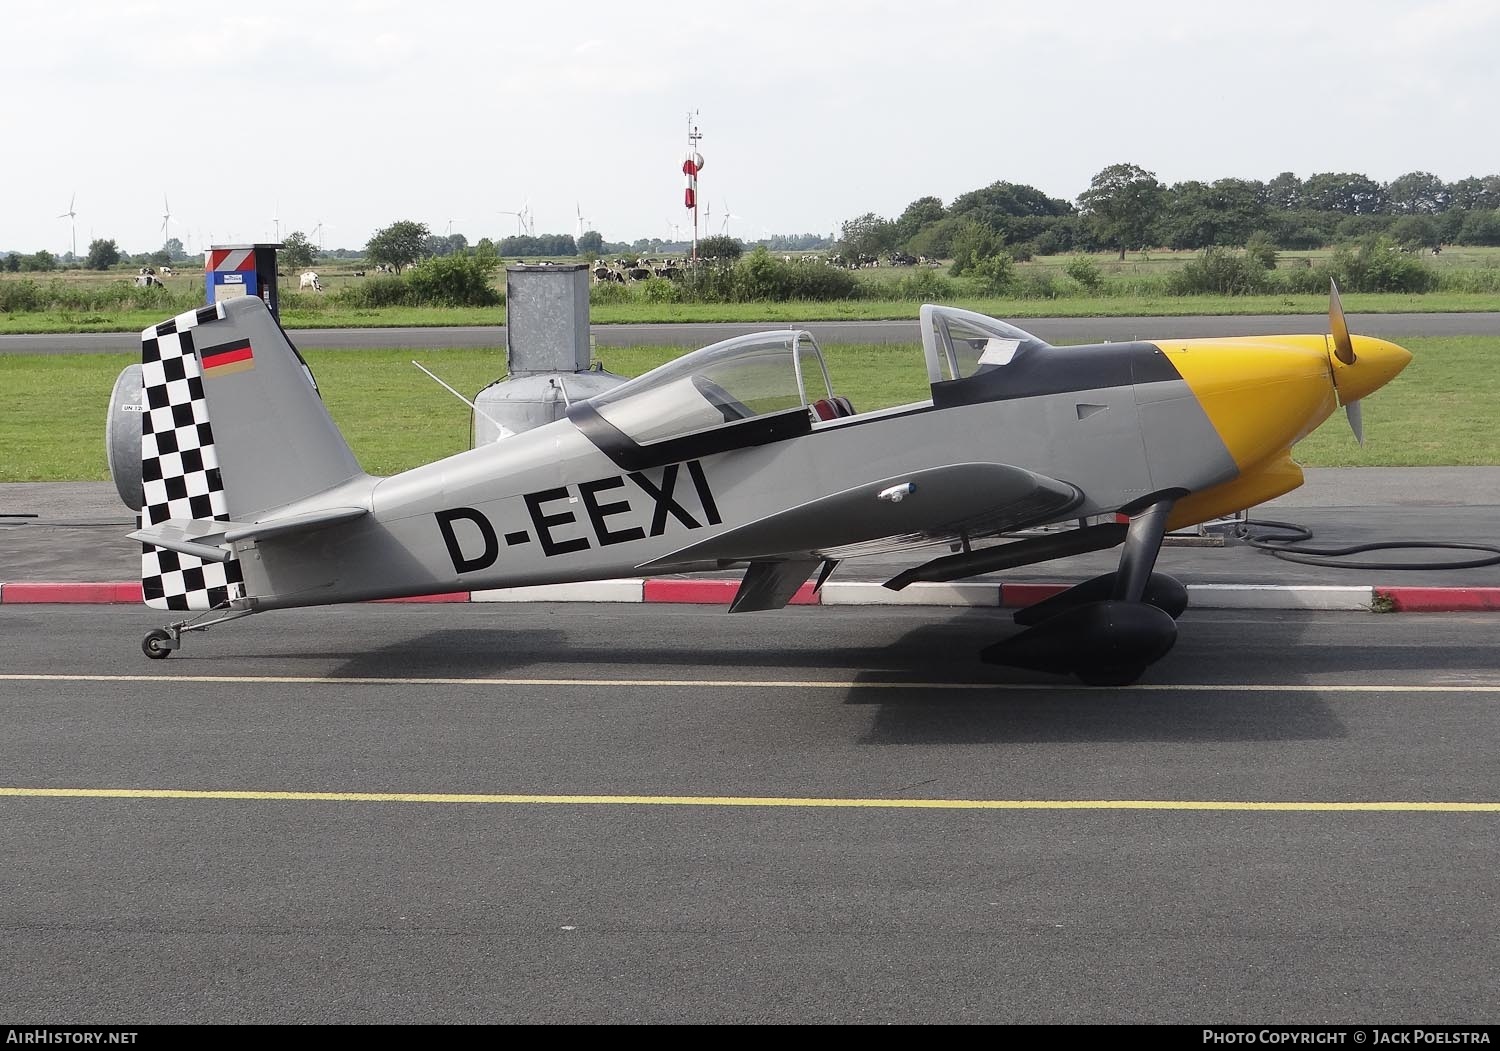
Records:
x=1054, y=330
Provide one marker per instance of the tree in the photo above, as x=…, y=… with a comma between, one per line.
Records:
x=1346, y=192
x=1196, y=215
x=102, y=254
x=174, y=250
x=922, y=212
x=720, y=246
x=1412, y=232
x=297, y=251
x=867, y=235
x=1121, y=206
x=1480, y=228
x=399, y=245
x=1284, y=193
x=12, y=262
x=1418, y=193
x=591, y=244
x=1476, y=194
x=451, y=244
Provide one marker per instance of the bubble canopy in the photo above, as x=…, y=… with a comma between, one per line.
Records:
x=749, y=390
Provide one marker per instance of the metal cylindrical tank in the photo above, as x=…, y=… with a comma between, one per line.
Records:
x=122, y=437
x=547, y=352
x=524, y=402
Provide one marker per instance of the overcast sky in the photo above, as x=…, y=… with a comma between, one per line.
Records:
x=812, y=111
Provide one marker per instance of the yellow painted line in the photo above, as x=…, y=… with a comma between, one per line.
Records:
x=799, y=684
x=521, y=799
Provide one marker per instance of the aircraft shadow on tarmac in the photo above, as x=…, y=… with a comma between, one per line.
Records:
x=1294, y=649
x=1085, y=714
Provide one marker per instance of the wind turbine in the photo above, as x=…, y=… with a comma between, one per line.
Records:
x=72, y=218
x=582, y=222
x=166, y=218
x=318, y=233
x=728, y=215
x=276, y=221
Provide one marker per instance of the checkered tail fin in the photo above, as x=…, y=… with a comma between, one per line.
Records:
x=180, y=473
x=271, y=443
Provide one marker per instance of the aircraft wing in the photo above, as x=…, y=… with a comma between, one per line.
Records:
x=209, y=539
x=973, y=499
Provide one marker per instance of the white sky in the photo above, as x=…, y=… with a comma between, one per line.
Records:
x=812, y=111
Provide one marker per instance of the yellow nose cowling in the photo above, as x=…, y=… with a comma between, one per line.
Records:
x=1376, y=363
x=1260, y=394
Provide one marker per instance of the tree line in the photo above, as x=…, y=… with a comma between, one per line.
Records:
x=1126, y=208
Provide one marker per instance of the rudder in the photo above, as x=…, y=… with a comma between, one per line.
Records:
x=180, y=476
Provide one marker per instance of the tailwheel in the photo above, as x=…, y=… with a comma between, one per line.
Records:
x=158, y=644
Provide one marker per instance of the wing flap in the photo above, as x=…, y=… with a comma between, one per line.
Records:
x=921, y=506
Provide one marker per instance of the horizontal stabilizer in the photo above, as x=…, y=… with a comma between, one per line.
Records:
x=283, y=524
x=928, y=504
x=210, y=539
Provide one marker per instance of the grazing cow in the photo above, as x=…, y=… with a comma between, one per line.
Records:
x=146, y=279
x=309, y=280
x=359, y=273
x=167, y=271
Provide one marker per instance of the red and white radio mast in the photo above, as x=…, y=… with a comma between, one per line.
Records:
x=691, y=166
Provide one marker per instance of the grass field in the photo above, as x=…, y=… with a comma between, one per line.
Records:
x=1135, y=286
x=1438, y=412
x=797, y=313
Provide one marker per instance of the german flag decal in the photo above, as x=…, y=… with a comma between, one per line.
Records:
x=228, y=358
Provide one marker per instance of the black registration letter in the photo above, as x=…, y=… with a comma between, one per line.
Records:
x=599, y=512
x=543, y=523
x=445, y=520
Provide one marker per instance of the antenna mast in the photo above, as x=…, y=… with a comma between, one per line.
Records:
x=691, y=166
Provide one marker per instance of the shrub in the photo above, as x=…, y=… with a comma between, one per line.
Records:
x=720, y=246
x=1379, y=266
x=18, y=296
x=1085, y=271
x=660, y=290
x=1262, y=250
x=382, y=290
x=923, y=286
x=609, y=293
x=994, y=275
x=1218, y=272
x=974, y=242
x=709, y=282
x=1037, y=283
x=452, y=281
x=760, y=276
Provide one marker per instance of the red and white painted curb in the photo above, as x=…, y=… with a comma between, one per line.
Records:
x=1013, y=596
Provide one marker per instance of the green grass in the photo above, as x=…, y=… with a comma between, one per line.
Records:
x=798, y=312
x=1438, y=412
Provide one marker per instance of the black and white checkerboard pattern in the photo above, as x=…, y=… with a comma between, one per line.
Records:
x=180, y=468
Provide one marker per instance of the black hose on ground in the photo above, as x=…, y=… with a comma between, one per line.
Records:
x=1280, y=545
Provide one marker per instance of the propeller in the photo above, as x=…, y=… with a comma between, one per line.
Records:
x=1343, y=349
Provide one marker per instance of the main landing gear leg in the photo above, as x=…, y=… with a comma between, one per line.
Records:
x=1107, y=642
x=160, y=642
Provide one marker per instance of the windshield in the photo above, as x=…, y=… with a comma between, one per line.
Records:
x=960, y=343
x=756, y=375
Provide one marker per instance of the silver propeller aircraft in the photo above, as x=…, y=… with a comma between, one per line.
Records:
x=741, y=454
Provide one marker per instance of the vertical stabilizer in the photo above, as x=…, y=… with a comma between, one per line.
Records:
x=180, y=476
